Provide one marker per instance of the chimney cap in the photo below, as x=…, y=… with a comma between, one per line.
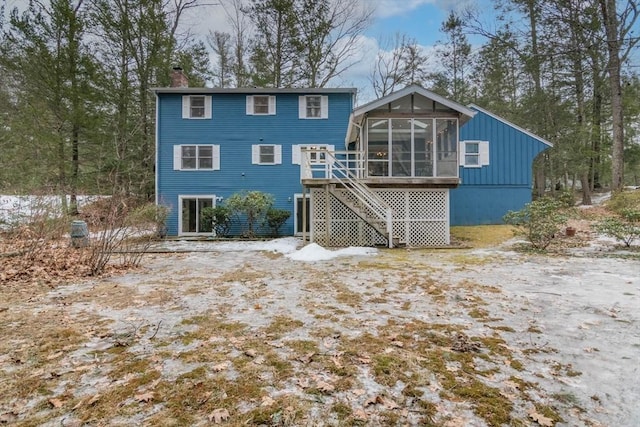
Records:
x=177, y=68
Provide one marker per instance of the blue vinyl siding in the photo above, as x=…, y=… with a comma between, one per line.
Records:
x=485, y=204
x=235, y=132
x=485, y=194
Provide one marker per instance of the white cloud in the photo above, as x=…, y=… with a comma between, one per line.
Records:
x=388, y=8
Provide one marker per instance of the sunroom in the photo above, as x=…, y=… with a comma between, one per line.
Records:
x=390, y=185
x=409, y=137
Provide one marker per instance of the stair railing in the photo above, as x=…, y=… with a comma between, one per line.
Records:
x=347, y=167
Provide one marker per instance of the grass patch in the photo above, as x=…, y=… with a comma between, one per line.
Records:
x=281, y=325
x=480, y=236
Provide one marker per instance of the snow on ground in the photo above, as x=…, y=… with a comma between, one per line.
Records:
x=286, y=245
x=315, y=252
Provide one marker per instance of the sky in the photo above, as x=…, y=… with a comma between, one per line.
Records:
x=418, y=19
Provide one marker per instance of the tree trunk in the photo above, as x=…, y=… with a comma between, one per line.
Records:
x=610, y=18
x=586, y=190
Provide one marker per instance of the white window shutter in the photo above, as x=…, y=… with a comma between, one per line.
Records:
x=463, y=146
x=207, y=107
x=302, y=107
x=255, y=154
x=483, y=148
x=249, y=105
x=215, y=151
x=272, y=105
x=177, y=157
x=186, y=107
x=295, y=154
x=324, y=107
x=277, y=154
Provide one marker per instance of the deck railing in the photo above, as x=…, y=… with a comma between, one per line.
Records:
x=347, y=168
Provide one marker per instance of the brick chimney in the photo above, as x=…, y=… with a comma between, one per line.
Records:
x=178, y=79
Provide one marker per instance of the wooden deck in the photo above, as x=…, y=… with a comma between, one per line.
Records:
x=386, y=182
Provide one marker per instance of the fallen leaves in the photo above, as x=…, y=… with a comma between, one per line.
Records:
x=540, y=419
x=144, y=397
x=381, y=400
x=219, y=415
x=56, y=403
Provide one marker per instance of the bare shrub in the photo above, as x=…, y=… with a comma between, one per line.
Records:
x=123, y=226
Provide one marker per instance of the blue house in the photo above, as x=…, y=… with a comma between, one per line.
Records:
x=496, y=169
x=386, y=173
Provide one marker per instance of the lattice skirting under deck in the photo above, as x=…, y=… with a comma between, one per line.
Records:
x=420, y=218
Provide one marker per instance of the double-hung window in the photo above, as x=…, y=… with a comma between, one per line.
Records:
x=313, y=107
x=196, y=107
x=266, y=154
x=474, y=154
x=261, y=105
x=196, y=157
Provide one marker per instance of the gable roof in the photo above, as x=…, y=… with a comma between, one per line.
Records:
x=508, y=123
x=411, y=89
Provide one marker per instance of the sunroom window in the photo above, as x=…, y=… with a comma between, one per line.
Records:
x=407, y=147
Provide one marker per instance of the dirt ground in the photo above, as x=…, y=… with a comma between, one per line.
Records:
x=214, y=334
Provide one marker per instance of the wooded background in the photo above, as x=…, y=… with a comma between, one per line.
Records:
x=77, y=115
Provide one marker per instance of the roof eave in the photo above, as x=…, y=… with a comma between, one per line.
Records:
x=249, y=90
x=508, y=123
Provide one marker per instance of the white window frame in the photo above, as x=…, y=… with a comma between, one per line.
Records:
x=296, y=152
x=256, y=154
x=303, y=101
x=177, y=157
x=251, y=105
x=187, y=108
x=482, y=154
x=193, y=196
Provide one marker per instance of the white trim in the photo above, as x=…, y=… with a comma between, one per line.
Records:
x=324, y=107
x=296, y=197
x=192, y=196
x=207, y=107
x=302, y=107
x=508, y=123
x=484, y=153
x=408, y=91
x=177, y=157
x=186, y=107
x=256, y=152
x=271, y=105
x=296, y=152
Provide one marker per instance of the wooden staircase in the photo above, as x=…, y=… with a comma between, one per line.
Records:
x=365, y=203
x=364, y=213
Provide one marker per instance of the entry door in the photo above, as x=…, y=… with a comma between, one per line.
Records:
x=191, y=218
x=298, y=215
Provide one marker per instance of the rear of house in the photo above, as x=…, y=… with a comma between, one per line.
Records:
x=397, y=171
x=212, y=143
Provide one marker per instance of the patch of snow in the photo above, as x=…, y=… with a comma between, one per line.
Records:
x=283, y=245
x=315, y=252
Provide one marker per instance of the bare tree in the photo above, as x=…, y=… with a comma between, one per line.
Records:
x=220, y=43
x=327, y=37
x=400, y=62
x=239, y=39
